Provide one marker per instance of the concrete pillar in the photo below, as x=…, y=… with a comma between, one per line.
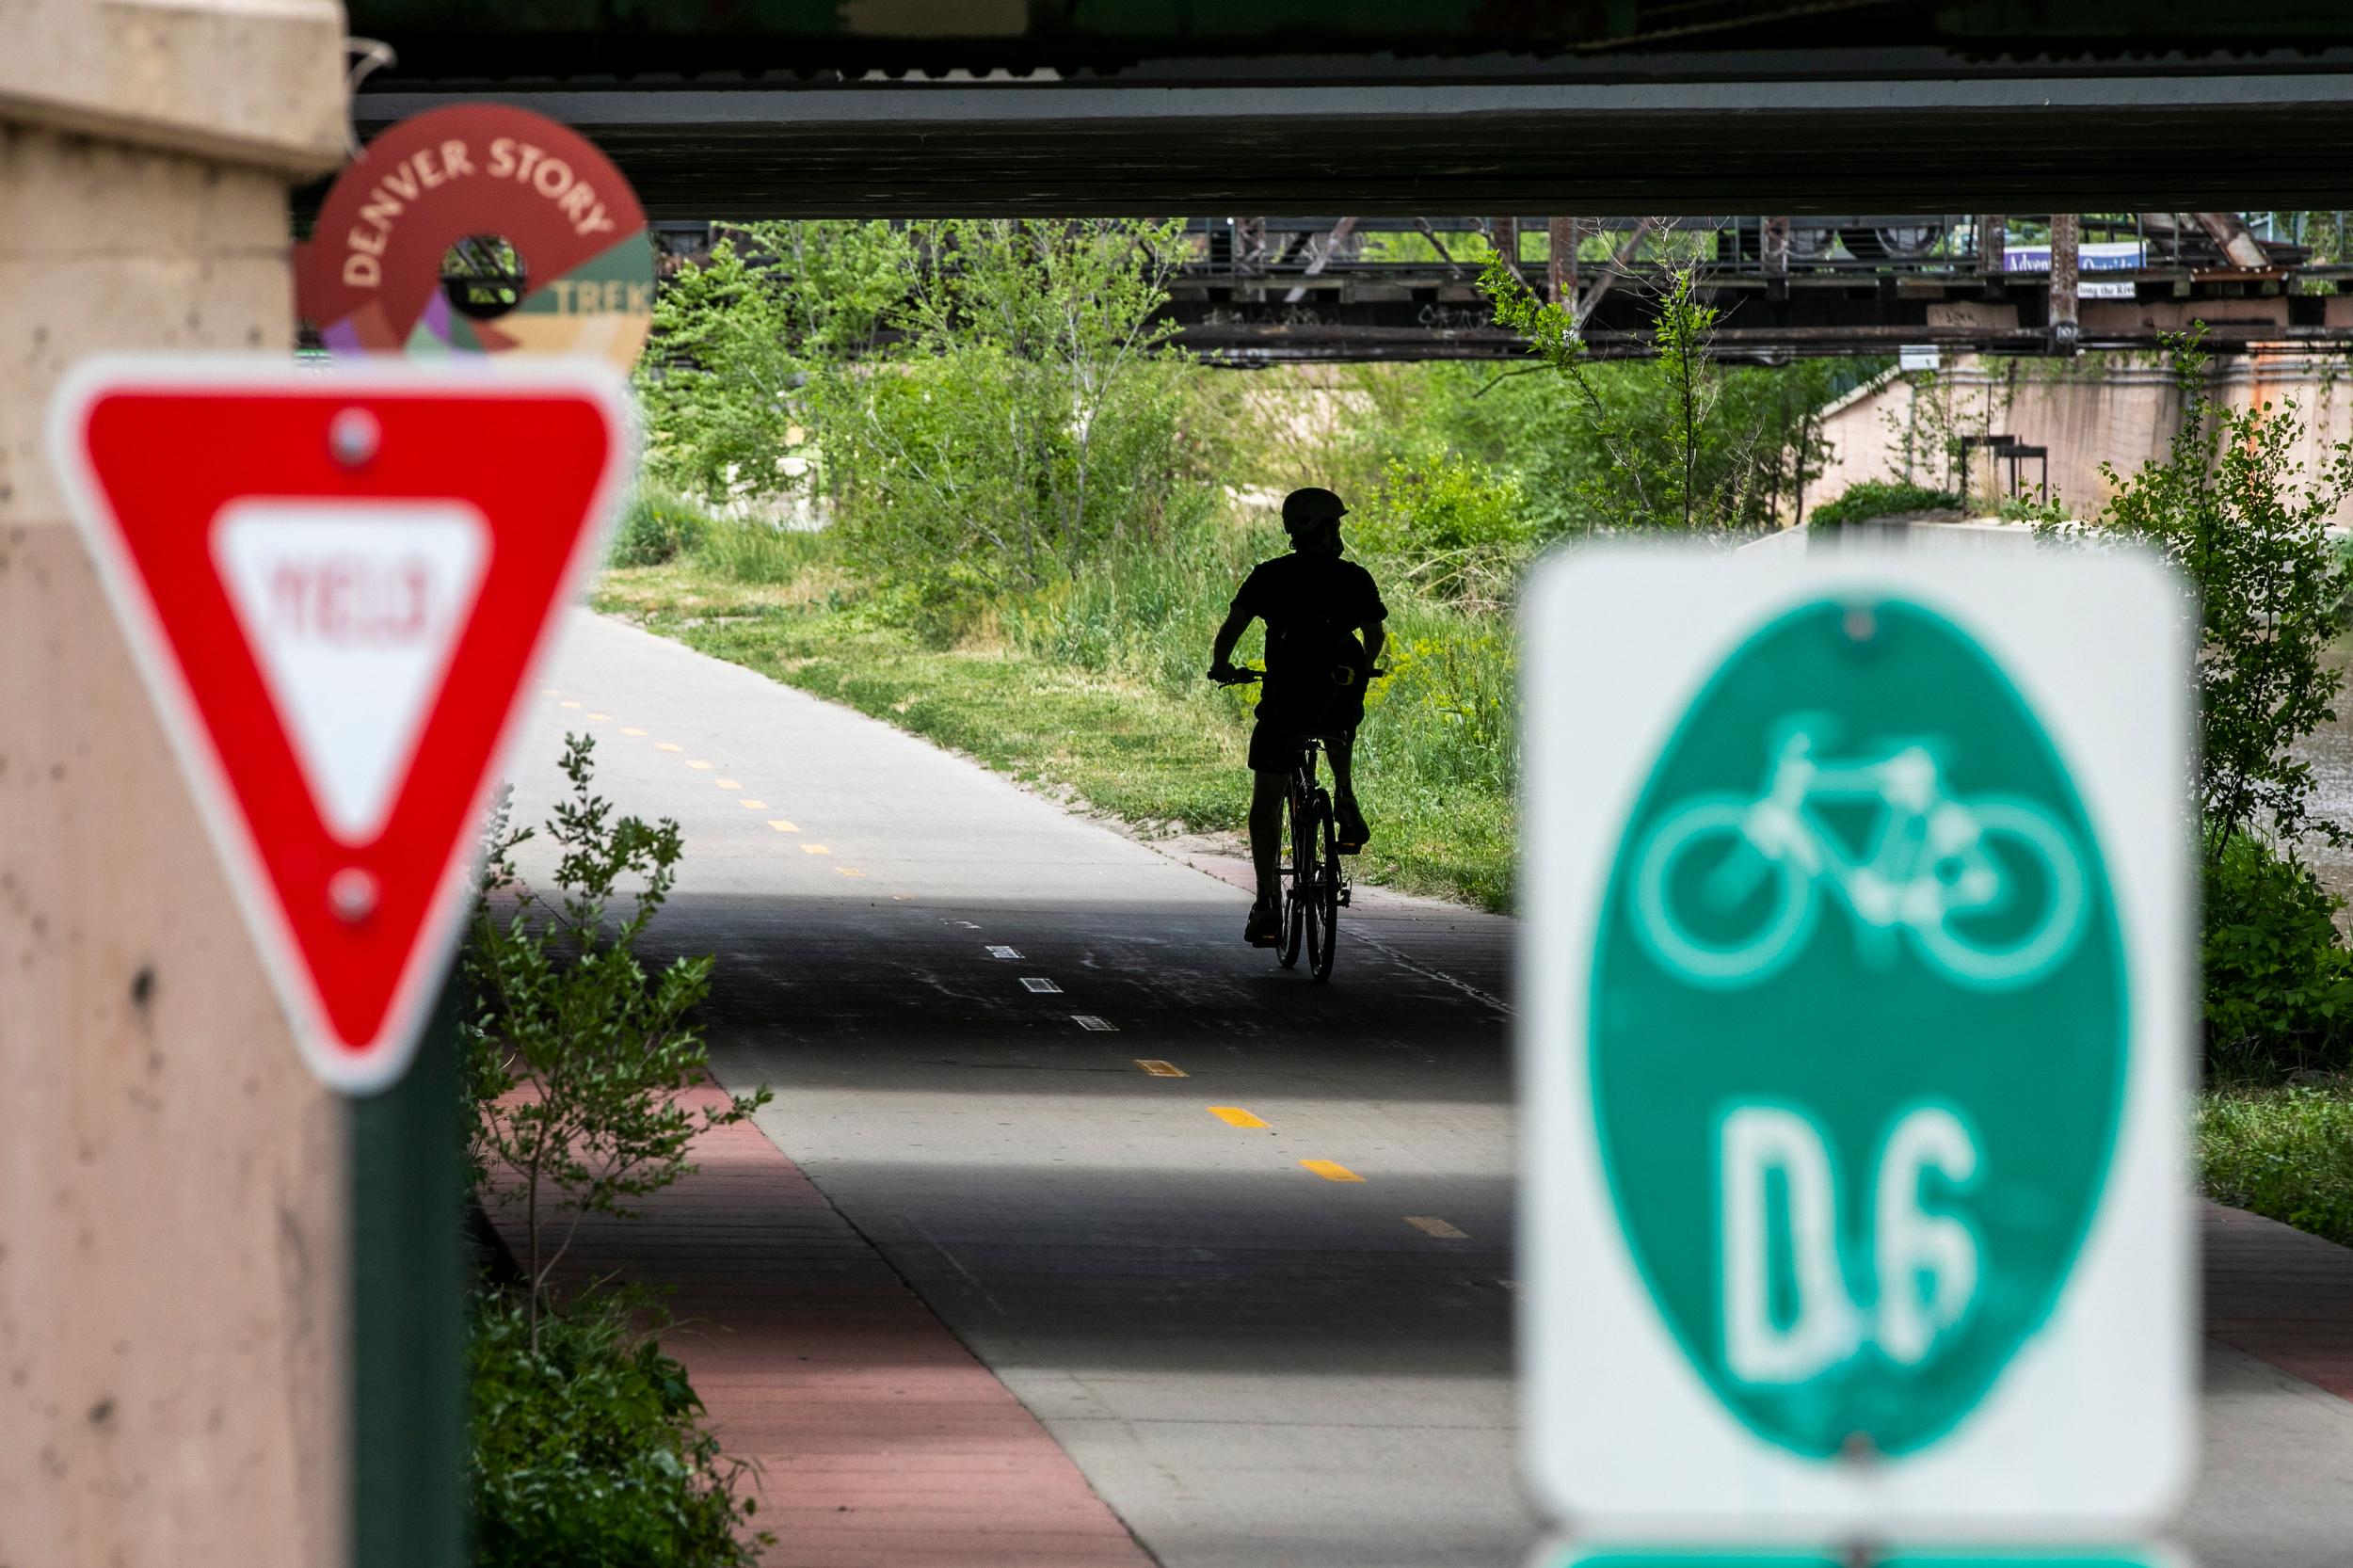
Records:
x=171, y=1180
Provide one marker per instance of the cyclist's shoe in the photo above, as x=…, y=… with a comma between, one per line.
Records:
x=1350, y=832
x=1265, y=929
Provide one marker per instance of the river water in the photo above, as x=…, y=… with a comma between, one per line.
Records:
x=2330, y=749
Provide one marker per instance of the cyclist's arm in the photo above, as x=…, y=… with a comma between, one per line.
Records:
x=1222, y=653
x=1375, y=639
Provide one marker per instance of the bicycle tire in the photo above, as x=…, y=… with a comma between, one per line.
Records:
x=1294, y=896
x=1323, y=903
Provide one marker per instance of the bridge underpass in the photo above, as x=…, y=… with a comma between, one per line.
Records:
x=1263, y=1306
x=1055, y=107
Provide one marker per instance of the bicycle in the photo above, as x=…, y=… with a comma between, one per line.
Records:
x=1316, y=886
x=1928, y=858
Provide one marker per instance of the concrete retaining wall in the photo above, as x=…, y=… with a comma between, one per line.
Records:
x=2091, y=411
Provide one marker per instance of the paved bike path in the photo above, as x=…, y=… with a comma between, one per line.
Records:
x=1264, y=1306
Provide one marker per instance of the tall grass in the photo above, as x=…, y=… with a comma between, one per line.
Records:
x=750, y=551
x=2282, y=1151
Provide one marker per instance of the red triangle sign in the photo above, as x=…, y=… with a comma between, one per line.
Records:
x=338, y=583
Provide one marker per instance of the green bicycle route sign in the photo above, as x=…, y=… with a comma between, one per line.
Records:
x=1856, y=977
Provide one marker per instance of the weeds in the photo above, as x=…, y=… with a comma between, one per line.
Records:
x=2283, y=1151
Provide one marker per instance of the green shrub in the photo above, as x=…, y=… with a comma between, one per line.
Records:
x=591, y=1451
x=1449, y=525
x=657, y=525
x=561, y=1000
x=2278, y=979
x=1872, y=498
x=1447, y=503
x=2284, y=1151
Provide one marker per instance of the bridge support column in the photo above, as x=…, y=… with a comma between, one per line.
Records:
x=1561, y=237
x=2066, y=312
x=1992, y=239
x=172, y=1188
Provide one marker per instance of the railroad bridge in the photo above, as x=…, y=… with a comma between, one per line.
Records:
x=1267, y=290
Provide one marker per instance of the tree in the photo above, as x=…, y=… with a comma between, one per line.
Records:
x=1027, y=422
x=2230, y=506
x=755, y=340
x=562, y=1009
x=989, y=403
x=1687, y=445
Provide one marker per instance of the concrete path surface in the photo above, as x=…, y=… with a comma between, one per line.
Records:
x=1240, y=1244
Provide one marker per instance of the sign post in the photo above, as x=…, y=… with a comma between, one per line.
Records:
x=1857, y=1011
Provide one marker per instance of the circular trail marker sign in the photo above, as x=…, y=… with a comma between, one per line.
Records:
x=479, y=229
x=1855, y=1026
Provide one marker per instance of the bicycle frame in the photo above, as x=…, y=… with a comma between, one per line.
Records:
x=1917, y=825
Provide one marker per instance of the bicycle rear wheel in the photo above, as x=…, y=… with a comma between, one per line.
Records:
x=1295, y=886
x=1323, y=897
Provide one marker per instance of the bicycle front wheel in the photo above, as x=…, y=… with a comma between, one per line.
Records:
x=1295, y=890
x=1323, y=899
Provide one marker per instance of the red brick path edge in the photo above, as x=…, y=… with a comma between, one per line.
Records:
x=879, y=1439
x=2281, y=1295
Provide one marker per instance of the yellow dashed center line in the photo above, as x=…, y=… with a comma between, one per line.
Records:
x=1158, y=1068
x=1331, y=1170
x=1430, y=1225
x=567, y=702
x=1234, y=1115
x=665, y=746
x=779, y=824
x=602, y=718
x=815, y=849
x=727, y=783
x=628, y=729
x=697, y=762
x=752, y=804
x=848, y=870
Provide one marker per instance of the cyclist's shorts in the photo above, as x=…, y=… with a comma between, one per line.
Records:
x=1288, y=716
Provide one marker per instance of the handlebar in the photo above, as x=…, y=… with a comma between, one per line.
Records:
x=1246, y=675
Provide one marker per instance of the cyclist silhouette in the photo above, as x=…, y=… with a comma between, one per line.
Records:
x=1314, y=604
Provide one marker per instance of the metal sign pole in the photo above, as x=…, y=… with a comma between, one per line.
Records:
x=408, y=1328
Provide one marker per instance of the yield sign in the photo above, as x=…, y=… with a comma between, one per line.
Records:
x=337, y=583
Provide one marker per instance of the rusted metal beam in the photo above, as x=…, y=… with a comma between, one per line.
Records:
x=2229, y=232
x=1322, y=257
x=1561, y=237
x=2066, y=317
x=1504, y=234
x=1993, y=240
x=1265, y=343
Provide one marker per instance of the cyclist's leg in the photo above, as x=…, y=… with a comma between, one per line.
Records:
x=1267, y=789
x=1351, y=821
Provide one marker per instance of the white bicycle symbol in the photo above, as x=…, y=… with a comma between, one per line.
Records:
x=1928, y=858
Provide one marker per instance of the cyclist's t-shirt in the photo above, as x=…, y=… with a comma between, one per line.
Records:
x=1310, y=602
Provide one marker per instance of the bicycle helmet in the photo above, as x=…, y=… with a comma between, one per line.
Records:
x=1306, y=510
